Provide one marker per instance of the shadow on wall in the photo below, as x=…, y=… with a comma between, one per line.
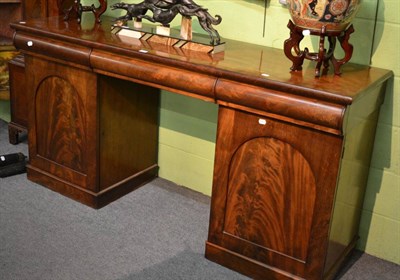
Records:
x=378, y=29
x=381, y=160
x=189, y=116
x=381, y=155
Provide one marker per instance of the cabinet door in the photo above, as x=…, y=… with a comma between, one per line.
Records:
x=273, y=190
x=62, y=122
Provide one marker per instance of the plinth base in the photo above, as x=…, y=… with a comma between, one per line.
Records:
x=148, y=36
x=92, y=199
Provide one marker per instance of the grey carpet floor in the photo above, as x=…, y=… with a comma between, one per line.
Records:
x=155, y=232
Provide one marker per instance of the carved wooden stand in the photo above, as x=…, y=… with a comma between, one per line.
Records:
x=323, y=56
x=77, y=9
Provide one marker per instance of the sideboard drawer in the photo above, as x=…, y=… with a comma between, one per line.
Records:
x=178, y=80
x=324, y=115
x=53, y=48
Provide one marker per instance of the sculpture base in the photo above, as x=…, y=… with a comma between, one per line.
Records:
x=150, y=35
x=323, y=56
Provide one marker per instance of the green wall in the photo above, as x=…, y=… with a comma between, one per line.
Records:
x=380, y=224
x=5, y=110
x=187, y=131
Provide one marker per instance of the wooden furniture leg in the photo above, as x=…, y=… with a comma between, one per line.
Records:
x=13, y=132
x=293, y=43
x=348, y=50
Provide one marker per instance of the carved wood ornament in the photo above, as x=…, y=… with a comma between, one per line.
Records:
x=323, y=56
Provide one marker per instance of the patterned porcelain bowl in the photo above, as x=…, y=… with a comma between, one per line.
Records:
x=336, y=15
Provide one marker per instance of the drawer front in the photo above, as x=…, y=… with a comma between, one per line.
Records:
x=311, y=112
x=178, y=80
x=53, y=48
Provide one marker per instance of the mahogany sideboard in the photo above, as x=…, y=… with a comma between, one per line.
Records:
x=292, y=151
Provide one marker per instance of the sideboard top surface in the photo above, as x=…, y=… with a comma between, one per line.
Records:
x=240, y=62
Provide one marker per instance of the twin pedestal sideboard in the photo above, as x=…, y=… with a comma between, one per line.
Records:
x=292, y=151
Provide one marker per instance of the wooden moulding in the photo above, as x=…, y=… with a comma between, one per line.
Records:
x=305, y=111
x=53, y=48
x=87, y=197
x=170, y=78
x=245, y=265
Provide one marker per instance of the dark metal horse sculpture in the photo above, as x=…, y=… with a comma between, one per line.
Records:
x=206, y=22
x=165, y=16
x=166, y=4
x=164, y=11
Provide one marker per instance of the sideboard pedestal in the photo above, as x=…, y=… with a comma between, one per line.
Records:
x=94, y=138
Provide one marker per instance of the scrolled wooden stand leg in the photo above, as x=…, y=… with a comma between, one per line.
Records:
x=321, y=54
x=332, y=45
x=100, y=10
x=293, y=43
x=348, y=50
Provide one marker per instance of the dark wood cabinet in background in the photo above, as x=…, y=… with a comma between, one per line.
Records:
x=18, y=99
x=12, y=11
